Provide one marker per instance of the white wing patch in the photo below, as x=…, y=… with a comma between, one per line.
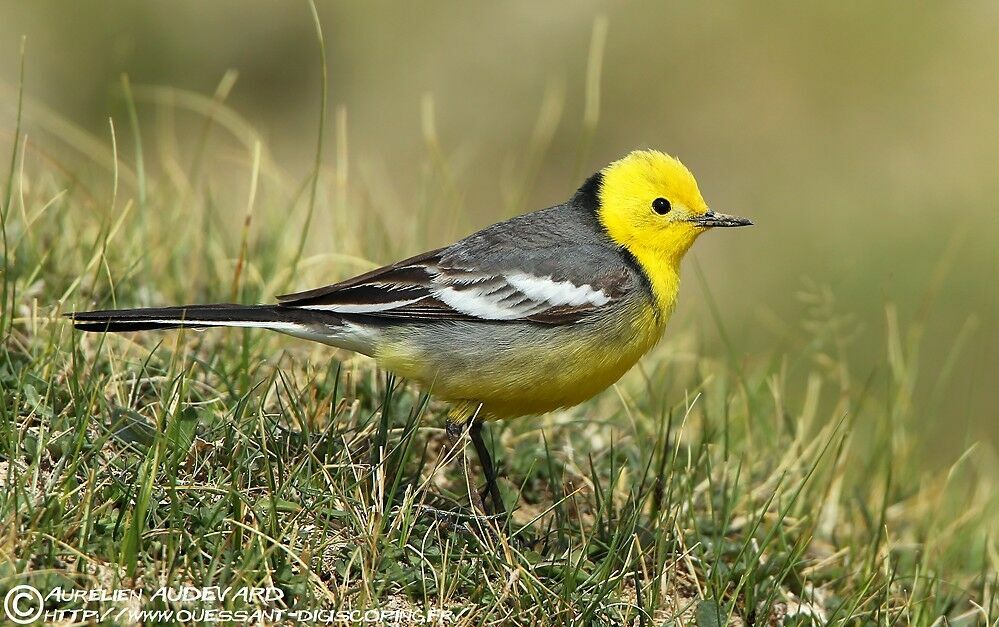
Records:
x=519, y=295
x=483, y=303
x=557, y=292
x=435, y=292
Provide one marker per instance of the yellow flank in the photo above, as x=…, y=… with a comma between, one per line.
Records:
x=552, y=370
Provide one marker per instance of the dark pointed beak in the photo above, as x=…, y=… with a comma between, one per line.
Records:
x=711, y=219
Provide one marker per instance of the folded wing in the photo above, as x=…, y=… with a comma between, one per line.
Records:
x=446, y=284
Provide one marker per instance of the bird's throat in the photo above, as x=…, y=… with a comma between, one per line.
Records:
x=662, y=270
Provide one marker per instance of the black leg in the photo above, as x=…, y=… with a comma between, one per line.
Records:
x=454, y=431
x=487, y=467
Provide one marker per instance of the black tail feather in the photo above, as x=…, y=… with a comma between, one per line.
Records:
x=195, y=316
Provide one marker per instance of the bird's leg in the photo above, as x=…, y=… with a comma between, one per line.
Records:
x=454, y=429
x=475, y=431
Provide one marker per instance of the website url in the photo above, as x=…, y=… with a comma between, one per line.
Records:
x=210, y=615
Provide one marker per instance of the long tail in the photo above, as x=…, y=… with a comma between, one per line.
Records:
x=276, y=317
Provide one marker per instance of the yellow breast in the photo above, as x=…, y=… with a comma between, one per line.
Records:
x=522, y=369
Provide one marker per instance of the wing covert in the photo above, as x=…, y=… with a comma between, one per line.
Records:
x=512, y=271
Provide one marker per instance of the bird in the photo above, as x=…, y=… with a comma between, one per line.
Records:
x=536, y=313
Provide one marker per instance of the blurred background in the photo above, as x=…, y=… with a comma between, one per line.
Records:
x=862, y=137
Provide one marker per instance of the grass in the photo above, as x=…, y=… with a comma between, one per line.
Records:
x=708, y=486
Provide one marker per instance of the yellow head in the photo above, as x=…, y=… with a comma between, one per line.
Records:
x=650, y=204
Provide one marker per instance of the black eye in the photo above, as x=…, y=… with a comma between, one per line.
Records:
x=661, y=206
